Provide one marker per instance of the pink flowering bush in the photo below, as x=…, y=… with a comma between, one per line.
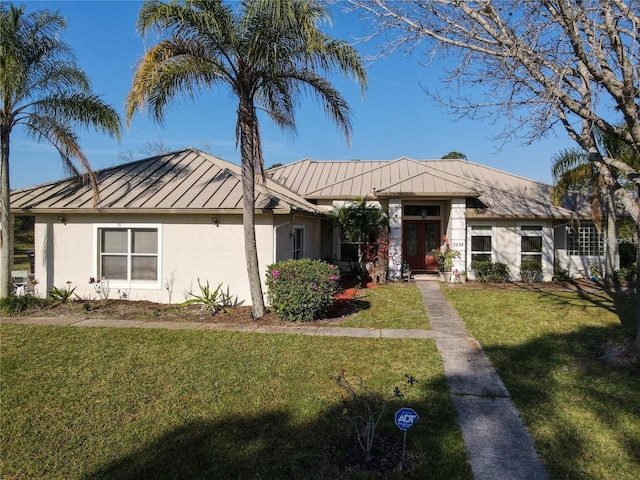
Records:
x=302, y=290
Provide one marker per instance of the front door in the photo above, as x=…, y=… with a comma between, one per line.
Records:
x=420, y=238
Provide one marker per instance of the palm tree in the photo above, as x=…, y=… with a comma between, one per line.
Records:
x=42, y=90
x=268, y=52
x=574, y=174
x=360, y=223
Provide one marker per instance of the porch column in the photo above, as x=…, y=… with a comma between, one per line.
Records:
x=458, y=232
x=395, y=239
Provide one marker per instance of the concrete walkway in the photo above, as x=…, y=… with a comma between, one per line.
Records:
x=499, y=445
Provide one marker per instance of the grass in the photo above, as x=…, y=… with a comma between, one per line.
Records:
x=106, y=403
x=583, y=412
x=394, y=305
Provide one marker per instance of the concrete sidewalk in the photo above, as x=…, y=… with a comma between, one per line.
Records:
x=248, y=328
x=499, y=445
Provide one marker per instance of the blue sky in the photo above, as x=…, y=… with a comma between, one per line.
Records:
x=394, y=118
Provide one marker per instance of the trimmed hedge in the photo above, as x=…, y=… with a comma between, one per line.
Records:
x=302, y=290
x=487, y=271
x=530, y=272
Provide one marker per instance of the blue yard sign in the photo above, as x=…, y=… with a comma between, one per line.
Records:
x=405, y=418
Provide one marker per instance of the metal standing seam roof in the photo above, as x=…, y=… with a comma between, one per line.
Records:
x=494, y=193
x=188, y=181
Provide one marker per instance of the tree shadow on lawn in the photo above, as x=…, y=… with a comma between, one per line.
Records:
x=614, y=297
x=273, y=446
x=560, y=381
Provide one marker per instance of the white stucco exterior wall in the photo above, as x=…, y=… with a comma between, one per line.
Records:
x=457, y=225
x=193, y=247
x=506, y=243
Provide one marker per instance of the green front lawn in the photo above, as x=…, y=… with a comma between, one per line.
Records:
x=107, y=403
x=393, y=305
x=583, y=412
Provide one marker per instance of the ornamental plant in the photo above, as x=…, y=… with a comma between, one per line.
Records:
x=302, y=290
x=364, y=407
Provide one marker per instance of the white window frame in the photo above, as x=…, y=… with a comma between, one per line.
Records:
x=300, y=249
x=600, y=236
x=128, y=284
x=483, y=230
x=531, y=230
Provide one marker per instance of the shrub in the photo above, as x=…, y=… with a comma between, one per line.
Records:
x=62, y=294
x=211, y=300
x=487, y=271
x=627, y=274
x=530, y=272
x=559, y=273
x=302, y=290
x=16, y=305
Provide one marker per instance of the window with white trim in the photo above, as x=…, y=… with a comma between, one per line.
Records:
x=531, y=244
x=585, y=240
x=481, y=243
x=297, y=249
x=129, y=254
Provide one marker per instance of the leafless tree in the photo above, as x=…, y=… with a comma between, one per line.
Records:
x=536, y=64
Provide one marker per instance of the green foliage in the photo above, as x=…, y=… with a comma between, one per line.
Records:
x=13, y=305
x=559, y=273
x=302, y=290
x=487, y=271
x=363, y=407
x=211, y=300
x=627, y=274
x=455, y=155
x=62, y=294
x=530, y=272
x=596, y=270
x=445, y=258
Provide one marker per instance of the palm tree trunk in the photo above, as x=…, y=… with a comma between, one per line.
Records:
x=247, y=123
x=5, y=222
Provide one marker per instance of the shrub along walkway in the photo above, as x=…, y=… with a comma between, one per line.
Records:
x=498, y=443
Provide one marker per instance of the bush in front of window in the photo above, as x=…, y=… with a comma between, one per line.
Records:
x=487, y=271
x=302, y=290
x=530, y=272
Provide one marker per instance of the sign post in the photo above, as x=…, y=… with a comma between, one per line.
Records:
x=405, y=418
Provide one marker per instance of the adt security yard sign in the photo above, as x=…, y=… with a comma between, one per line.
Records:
x=405, y=418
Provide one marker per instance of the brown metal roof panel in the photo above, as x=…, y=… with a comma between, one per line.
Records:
x=310, y=176
x=318, y=176
x=180, y=186
x=43, y=195
x=227, y=194
x=215, y=183
x=138, y=181
x=179, y=170
x=295, y=175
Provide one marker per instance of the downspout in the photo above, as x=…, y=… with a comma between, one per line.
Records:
x=554, y=241
x=275, y=238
